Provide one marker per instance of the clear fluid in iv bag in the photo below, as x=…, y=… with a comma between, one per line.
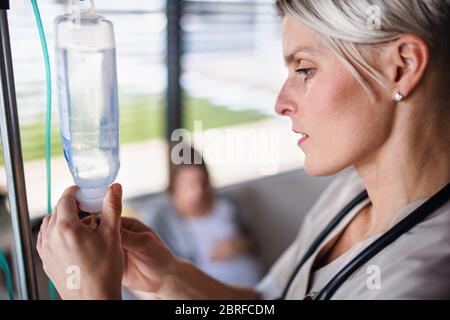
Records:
x=89, y=114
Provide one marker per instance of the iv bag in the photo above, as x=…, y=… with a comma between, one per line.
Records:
x=88, y=101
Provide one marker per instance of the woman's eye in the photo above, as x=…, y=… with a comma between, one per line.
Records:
x=305, y=72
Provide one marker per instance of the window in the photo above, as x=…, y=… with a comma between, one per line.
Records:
x=232, y=71
x=140, y=40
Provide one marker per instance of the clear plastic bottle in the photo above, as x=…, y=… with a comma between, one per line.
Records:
x=88, y=101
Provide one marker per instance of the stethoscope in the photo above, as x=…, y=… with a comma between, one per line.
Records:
x=418, y=215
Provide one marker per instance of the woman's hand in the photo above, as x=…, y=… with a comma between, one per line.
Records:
x=150, y=266
x=83, y=262
x=148, y=262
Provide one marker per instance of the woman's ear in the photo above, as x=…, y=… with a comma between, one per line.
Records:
x=410, y=56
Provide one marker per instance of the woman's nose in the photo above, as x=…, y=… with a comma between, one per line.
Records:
x=285, y=105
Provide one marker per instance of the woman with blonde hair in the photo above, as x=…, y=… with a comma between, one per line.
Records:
x=367, y=92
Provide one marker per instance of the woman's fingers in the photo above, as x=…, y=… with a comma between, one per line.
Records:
x=112, y=209
x=136, y=236
x=43, y=230
x=51, y=219
x=136, y=242
x=134, y=225
x=39, y=242
x=67, y=208
x=45, y=223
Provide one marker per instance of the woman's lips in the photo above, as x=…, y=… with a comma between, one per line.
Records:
x=303, y=137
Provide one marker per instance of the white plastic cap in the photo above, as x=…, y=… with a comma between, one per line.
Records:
x=91, y=200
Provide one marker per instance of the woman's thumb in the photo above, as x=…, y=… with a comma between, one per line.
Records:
x=134, y=241
x=112, y=208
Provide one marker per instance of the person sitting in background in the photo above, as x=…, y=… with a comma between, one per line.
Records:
x=203, y=228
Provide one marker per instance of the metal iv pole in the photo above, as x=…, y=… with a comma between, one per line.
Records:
x=12, y=151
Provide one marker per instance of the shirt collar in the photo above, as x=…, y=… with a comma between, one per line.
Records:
x=407, y=210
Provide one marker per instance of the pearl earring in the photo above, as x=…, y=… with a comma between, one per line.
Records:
x=398, y=97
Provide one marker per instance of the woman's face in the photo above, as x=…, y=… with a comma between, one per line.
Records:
x=190, y=187
x=326, y=102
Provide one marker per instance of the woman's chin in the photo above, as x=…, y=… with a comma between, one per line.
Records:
x=320, y=168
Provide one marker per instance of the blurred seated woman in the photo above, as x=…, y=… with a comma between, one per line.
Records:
x=203, y=228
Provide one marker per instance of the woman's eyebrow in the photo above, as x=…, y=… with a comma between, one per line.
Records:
x=290, y=58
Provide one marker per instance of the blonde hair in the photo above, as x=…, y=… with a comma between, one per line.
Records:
x=343, y=25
